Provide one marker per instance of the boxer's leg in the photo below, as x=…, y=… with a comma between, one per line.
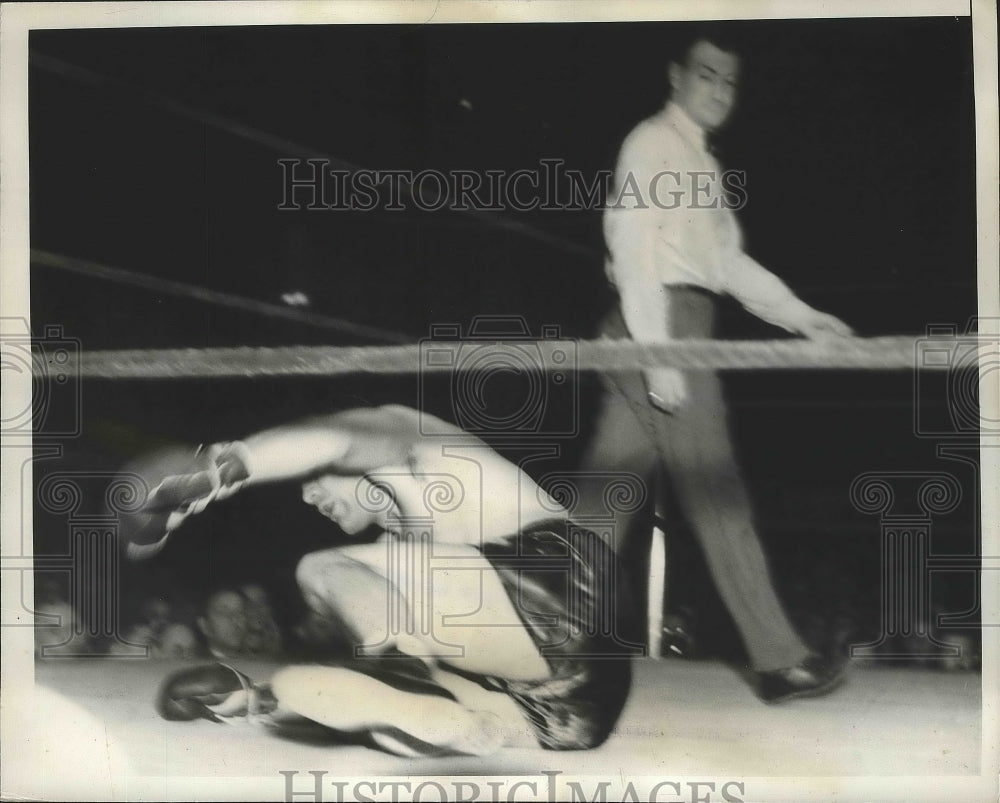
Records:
x=468, y=620
x=347, y=596
x=443, y=602
x=401, y=721
x=517, y=730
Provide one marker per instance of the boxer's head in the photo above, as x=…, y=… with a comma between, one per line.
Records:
x=349, y=502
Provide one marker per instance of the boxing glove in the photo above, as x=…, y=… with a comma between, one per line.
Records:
x=175, y=484
x=214, y=692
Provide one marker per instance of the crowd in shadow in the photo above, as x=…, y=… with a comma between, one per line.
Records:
x=241, y=622
x=229, y=622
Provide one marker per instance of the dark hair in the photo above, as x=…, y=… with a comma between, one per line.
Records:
x=723, y=35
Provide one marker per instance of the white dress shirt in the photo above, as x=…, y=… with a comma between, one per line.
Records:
x=667, y=223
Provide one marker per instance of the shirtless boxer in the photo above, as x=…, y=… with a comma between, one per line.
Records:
x=480, y=617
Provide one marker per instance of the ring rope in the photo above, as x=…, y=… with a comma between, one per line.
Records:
x=169, y=287
x=283, y=146
x=556, y=355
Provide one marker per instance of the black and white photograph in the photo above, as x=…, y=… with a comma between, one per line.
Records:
x=471, y=401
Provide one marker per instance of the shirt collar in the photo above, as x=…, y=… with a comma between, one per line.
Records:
x=687, y=127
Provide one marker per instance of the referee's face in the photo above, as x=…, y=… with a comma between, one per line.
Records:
x=705, y=86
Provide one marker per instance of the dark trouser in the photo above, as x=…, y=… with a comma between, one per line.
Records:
x=693, y=448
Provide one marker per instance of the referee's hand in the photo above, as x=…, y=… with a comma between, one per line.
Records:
x=823, y=326
x=667, y=389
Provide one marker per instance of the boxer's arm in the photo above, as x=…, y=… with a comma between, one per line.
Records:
x=273, y=455
x=350, y=442
x=294, y=451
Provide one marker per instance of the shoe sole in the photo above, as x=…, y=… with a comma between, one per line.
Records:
x=815, y=691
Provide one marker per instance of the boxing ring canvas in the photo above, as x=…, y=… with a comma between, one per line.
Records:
x=218, y=220
x=684, y=721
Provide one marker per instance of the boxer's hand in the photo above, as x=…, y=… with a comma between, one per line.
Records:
x=667, y=389
x=210, y=692
x=218, y=471
x=191, y=693
x=822, y=326
x=177, y=484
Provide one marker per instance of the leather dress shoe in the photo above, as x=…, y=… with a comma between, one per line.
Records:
x=811, y=677
x=679, y=638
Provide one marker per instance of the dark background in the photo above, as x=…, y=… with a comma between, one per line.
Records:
x=857, y=137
